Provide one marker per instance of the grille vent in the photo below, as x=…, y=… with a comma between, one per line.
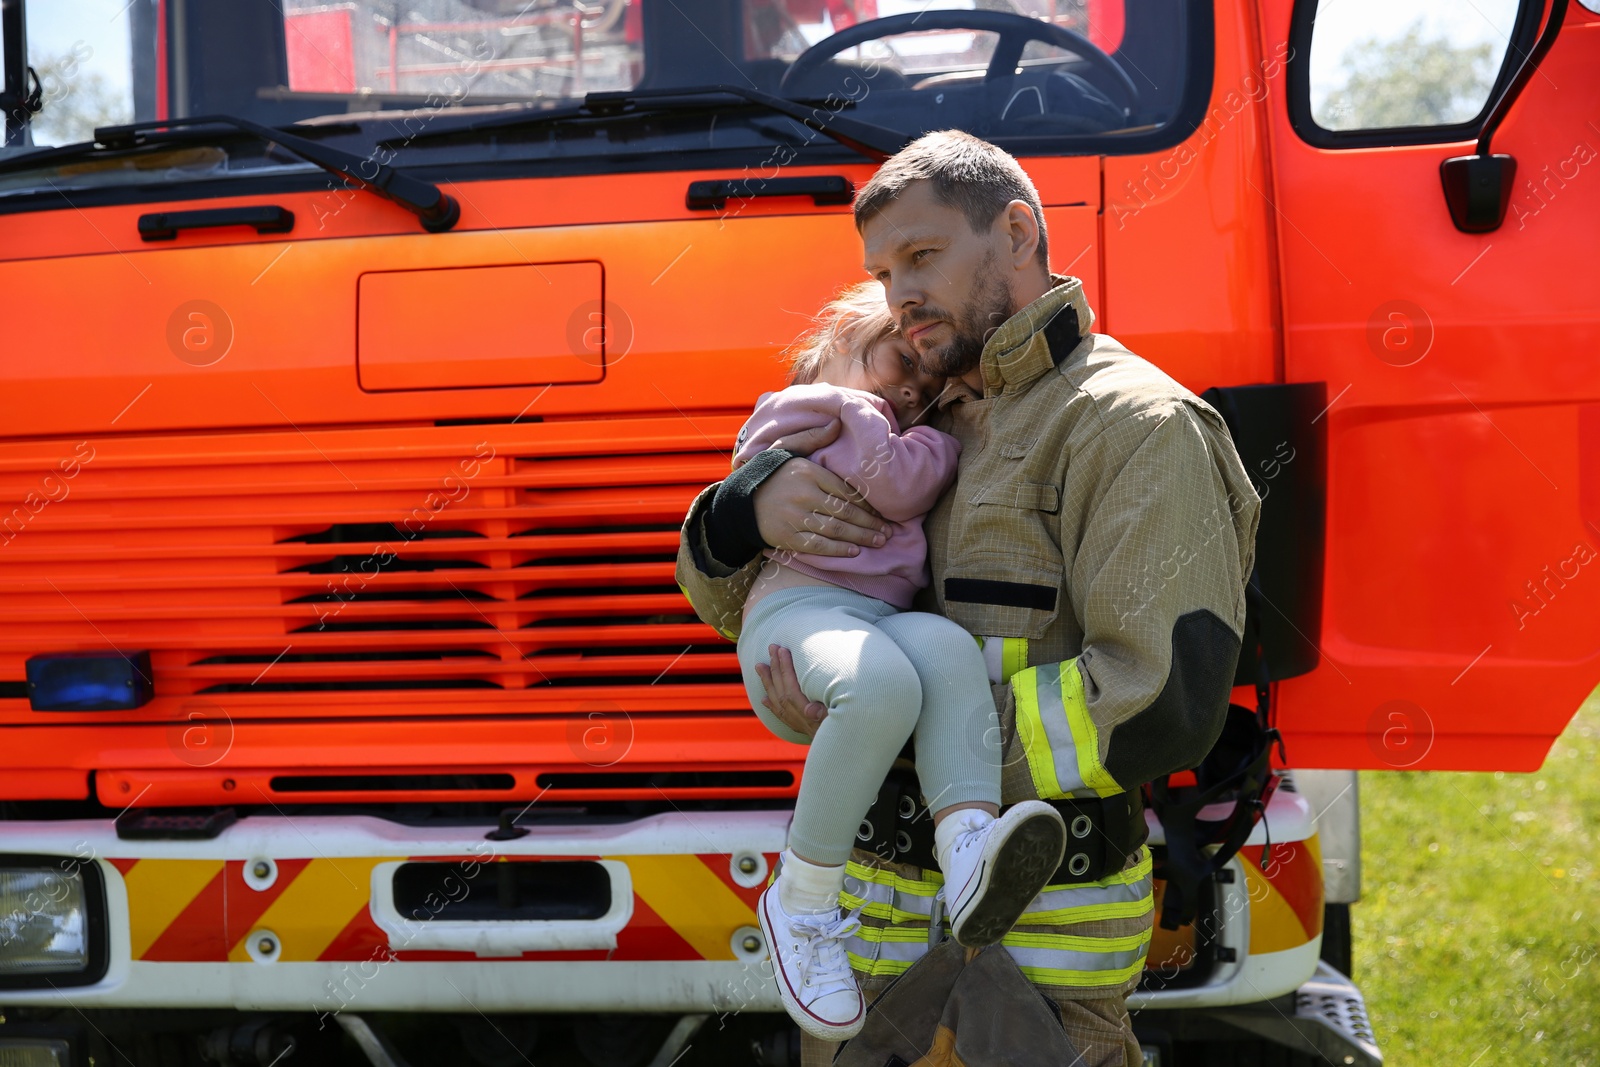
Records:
x=346, y=568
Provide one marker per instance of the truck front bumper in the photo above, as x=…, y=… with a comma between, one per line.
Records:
x=306, y=913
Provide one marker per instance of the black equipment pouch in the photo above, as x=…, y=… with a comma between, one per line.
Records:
x=1102, y=832
x=1283, y=445
x=1237, y=771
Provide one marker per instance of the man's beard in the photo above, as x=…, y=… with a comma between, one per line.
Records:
x=989, y=306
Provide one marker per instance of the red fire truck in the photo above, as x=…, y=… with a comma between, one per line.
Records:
x=360, y=360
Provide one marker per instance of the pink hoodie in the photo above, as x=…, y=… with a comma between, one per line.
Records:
x=900, y=474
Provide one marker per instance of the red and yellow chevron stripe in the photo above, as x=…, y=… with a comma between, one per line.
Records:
x=685, y=907
x=1286, y=898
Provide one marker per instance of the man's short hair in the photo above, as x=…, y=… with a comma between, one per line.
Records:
x=968, y=173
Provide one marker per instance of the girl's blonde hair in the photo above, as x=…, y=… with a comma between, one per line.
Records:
x=853, y=321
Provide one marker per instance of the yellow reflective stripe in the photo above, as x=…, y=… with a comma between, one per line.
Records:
x=1076, y=942
x=1083, y=913
x=1050, y=959
x=1013, y=657
x=881, y=909
x=1045, y=958
x=1031, y=732
x=918, y=935
x=927, y=887
x=886, y=912
x=1061, y=761
x=1110, y=960
x=724, y=631
x=1076, y=913
x=1090, y=770
x=903, y=935
x=1054, y=977
x=1095, y=895
x=878, y=900
x=877, y=968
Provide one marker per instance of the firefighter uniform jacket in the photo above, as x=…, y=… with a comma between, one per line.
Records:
x=1101, y=528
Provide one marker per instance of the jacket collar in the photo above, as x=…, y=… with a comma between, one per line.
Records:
x=1037, y=338
x=1040, y=336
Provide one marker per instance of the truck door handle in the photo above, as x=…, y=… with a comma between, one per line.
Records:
x=822, y=189
x=266, y=218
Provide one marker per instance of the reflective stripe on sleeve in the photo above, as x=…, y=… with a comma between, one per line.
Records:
x=723, y=630
x=1013, y=657
x=1059, y=738
x=1004, y=656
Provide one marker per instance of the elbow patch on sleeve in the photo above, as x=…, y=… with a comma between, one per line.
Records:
x=1179, y=727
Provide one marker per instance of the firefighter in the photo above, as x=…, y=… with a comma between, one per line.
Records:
x=1096, y=542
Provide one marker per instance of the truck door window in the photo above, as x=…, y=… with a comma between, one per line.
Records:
x=81, y=52
x=1400, y=71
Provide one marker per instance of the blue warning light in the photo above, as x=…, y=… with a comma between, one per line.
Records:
x=90, y=681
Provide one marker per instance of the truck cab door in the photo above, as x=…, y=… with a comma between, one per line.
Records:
x=1461, y=609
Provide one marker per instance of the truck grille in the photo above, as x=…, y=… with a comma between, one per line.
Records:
x=339, y=571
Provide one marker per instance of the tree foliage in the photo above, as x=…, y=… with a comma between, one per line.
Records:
x=75, y=99
x=1409, y=80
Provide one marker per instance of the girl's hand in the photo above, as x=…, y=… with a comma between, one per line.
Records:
x=784, y=698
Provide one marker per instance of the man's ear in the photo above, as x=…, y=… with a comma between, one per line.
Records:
x=1022, y=233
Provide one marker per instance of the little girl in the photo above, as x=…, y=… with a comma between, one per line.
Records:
x=884, y=673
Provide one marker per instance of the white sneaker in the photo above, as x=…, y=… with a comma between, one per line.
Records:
x=996, y=868
x=812, y=970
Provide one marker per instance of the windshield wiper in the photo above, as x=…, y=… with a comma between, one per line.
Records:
x=437, y=210
x=875, y=142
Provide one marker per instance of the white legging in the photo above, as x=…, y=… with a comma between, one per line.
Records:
x=884, y=676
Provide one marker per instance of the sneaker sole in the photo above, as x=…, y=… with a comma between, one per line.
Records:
x=1019, y=866
x=802, y=1018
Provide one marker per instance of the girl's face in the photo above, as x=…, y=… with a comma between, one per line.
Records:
x=889, y=369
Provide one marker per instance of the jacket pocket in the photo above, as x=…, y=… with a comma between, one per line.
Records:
x=1032, y=496
x=1004, y=576
x=1014, y=593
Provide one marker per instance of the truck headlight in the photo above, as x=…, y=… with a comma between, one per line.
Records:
x=52, y=921
x=35, y=1053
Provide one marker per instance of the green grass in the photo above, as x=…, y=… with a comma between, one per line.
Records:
x=1477, y=938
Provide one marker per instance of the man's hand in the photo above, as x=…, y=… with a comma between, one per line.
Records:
x=784, y=698
x=804, y=507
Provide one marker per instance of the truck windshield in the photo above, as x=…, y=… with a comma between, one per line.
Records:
x=1036, y=76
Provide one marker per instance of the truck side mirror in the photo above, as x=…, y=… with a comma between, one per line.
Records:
x=1478, y=189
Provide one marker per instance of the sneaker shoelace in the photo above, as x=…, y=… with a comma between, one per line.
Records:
x=823, y=957
x=971, y=835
